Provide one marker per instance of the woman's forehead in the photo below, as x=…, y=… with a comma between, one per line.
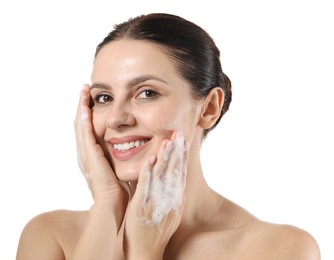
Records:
x=123, y=57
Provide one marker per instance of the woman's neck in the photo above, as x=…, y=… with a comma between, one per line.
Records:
x=202, y=202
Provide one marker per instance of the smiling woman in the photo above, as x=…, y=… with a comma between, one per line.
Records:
x=157, y=90
x=142, y=87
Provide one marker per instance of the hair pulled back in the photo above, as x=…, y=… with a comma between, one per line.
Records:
x=195, y=53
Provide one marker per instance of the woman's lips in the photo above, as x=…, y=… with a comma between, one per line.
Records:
x=126, y=147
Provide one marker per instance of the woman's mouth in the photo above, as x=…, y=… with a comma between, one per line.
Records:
x=127, y=147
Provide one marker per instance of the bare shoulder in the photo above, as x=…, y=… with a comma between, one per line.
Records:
x=237, y=234
x=51, y=235
x=264, y=240
x=278, y=241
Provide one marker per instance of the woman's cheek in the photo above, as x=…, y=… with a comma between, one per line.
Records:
x=170, y=120
x=177, y=122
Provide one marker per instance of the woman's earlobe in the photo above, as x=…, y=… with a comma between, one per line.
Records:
x=211, y=108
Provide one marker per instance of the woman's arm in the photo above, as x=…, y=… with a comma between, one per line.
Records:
x=98, y=239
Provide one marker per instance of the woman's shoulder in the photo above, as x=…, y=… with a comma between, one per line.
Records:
x=240, y=235
x=265, y=239
x=57, y=221
x=51, y=233
x=280, y=241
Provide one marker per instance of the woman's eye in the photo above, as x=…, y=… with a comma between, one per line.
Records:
x=147, y=94
x=102, y=99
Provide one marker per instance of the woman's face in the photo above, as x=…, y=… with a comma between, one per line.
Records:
x=139, y=100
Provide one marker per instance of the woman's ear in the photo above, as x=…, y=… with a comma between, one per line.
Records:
x=211, y=108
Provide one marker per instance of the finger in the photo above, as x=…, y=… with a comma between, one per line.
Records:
x=177, y=167
x=181, y=158
x=85, y=139
x=86, y=95
x=171, y=164
x=163, y=158
x=83, y=100
x=177, y=160
x=144, y=184
x=83, y=126
x=183, y=175
x=142, y=196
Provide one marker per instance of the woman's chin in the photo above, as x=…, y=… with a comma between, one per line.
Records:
x=127, y=175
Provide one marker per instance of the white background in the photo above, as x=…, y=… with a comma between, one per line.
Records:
x=272, y=153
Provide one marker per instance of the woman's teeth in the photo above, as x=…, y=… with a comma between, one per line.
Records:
x=129, y=145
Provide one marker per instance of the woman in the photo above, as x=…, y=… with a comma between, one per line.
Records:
x=157, y=90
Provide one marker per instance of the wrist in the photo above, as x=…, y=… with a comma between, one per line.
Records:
x=108, y=212
x=147, y=254
x=110, y=197
x=145, y=257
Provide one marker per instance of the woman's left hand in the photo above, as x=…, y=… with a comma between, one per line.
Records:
x=156, y=208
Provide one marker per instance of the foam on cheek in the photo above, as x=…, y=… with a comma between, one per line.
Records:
x=166, y=190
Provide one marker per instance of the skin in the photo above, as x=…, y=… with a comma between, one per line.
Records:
x=121, y=224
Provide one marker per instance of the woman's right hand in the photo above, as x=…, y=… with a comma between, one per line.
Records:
x=99, y=237
x=95, y=167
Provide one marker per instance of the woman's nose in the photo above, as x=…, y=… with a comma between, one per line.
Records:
x=120, y=116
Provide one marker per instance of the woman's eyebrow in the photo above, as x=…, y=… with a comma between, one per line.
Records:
x=101, y=86
x=131, y=83
x=137, y=80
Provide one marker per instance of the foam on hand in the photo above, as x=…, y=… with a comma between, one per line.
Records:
x=166, y=190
